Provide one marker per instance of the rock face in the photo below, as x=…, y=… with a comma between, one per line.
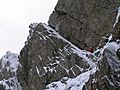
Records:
x=84, y=22
x=116, y=27
x=104, y=76
x=55, y=52
x=48, y=57
x=107, y=76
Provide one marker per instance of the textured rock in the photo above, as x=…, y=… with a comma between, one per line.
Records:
x=107, y=76
x=104, y=76
x=48, y=57
x=8, y=66
x=116, y=30
x=84, y=22
x=50, y=53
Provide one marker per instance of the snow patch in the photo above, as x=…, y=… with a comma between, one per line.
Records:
x=11, y=84
x=10, y=61
x=72, y=84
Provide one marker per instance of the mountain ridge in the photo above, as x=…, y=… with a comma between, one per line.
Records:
x=56, y=56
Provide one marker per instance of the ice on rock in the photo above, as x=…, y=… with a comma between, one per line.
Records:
x=117, y=18
x=72, y=84
x=33, y=25
x=12, y=59
x=10, y=63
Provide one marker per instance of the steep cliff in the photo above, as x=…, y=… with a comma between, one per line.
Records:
x=48, y=57
x=55, y=58
x=84, y=22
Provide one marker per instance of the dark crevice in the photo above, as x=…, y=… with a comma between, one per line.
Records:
x=75, y=18
x=65, y=13
x=61, y=12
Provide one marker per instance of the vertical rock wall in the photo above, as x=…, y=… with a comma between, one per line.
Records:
x=84, y=22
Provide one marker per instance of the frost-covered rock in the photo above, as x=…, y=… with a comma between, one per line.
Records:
x=72, y=83
x=107, y=76
x=55, y=57
x=9, y=64
x=49, y=57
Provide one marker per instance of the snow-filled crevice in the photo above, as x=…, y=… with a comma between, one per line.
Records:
x=117, y=18
x=79, y=52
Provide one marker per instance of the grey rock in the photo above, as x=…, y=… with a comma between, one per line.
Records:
x=84, y=22
x=2, y=87
x=47, y=58
x=8, y=66
x=107, y=75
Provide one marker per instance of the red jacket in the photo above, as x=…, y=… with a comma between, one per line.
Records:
x=90, y=49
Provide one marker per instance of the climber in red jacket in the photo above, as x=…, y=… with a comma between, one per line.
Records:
x=90, y=49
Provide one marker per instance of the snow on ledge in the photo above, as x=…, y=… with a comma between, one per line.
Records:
x=79, y=52
x=72, y=84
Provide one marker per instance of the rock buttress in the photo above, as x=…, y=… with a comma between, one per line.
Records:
x=48, y=57
x=84, y=22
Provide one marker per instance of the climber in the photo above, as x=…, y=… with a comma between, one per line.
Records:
x=90, y=49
